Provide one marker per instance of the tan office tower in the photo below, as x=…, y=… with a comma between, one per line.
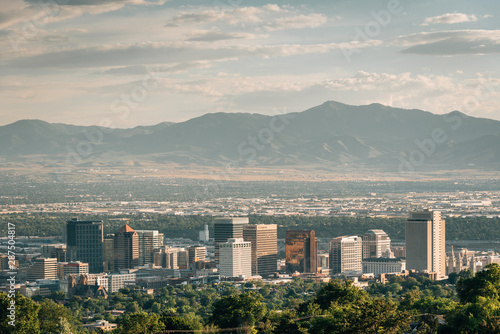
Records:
x=345, y=254
x=43, y=269
x=425, y=242
x=375, y=243
x=126, y=248
x=264, y=239
x=301, y=249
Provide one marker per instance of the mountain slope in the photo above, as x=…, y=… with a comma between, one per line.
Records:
x=330, y=134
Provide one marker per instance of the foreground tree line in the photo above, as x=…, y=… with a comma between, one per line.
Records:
x=472, y=305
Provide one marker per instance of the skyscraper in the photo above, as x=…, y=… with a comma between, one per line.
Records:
x=126, y=248
x=375, y=243
x=425, y=242
x=227, y=228
x=301, y=249
x=345, y=254
x=84, y=243
x=149, y=240
x=235, y=258
x=264, y=248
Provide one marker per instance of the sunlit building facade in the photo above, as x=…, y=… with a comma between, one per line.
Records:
x=301, y=248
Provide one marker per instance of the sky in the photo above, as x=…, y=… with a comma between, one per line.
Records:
x=124, y=63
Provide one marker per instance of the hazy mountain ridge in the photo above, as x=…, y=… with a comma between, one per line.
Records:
x=330, y=134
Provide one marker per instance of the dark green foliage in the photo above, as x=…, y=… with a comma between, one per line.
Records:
x=26, y=315
x=140, y=323
x=238, y=310
x=485, y=283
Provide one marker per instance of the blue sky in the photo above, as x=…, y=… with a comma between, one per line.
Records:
x=124, y=63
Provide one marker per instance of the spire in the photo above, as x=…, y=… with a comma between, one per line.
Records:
x=125, y=228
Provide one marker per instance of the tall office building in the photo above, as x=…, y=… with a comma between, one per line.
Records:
x=227, y=228
x=44, y=268
x=167, y=257
x=182, y=258
x=84, y=243
x=204, y=235
x=301, y=249
x=197, y=253
x=108, y=256
x=425, y=242
x=375, y=244
x=126, y=248
x=345, y=254
x=264, y=248
x=149, y=240
x=235, y=258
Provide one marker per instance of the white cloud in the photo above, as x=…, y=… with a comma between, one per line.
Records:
x=217, y=35
x=163, y=53
x=270, y=17
x=297, y=22
x=451, y=42
x=450, y=18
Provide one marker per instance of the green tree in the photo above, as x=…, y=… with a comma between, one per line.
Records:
x=172, y=320
x=26, y=315
x=140, y=323
x=485, y=283
x=50, y=314
x=238, y=310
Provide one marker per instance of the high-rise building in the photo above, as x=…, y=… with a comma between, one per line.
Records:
x=126, y=248
x=182, y=258
x=149, y=240
x=197, y=253
x=375, y=243
x=425, y=242
x=264, y=248
x=108, y=248
x=227, y=228
x=345, y=254
x=44, y=268
x=235, y=258
x=204, y=235
x=301, y=249
x=84, y=243
x=168, y=257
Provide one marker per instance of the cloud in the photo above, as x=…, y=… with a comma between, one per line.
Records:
x=231, y=16
x=143, y=70
x=163, y=53
x=450, y=18
x=97, y=2
x=270, y=17
x=452, y=42
x=216, y=35
x=297, y=22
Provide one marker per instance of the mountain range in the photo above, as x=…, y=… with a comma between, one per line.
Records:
x=330, y=135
